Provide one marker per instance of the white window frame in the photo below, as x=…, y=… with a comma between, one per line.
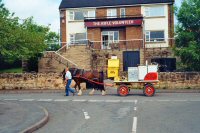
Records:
x=72, y=38
x=93, y=12
x=112, y=13
x=122, y=10
x=148, y=36
x=111, y=33
x=148, y=11
x=71, y=15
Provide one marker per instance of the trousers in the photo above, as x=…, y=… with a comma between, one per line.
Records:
x=67, y=88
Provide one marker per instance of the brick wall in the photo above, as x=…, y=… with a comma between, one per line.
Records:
x=134, y=32
x=101, y=12
x=133, y=11
x=94, y=34
x=171, y=24
x=63, y=28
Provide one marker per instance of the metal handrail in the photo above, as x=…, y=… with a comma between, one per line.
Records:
x=62, y=57
x=66, y=59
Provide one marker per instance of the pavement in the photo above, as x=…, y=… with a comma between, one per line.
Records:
x=21, y=118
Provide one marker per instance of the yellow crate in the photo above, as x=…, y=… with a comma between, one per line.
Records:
x=113, y=72
x=113, y=63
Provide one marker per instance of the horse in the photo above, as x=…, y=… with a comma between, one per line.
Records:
x=94, y=78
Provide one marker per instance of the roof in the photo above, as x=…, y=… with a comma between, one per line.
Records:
x=104, y=3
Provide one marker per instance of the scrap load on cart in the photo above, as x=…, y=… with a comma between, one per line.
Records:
x=146, y=76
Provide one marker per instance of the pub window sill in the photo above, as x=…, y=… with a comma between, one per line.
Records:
x=71, y=21
x=155, y=42
x=146, y=17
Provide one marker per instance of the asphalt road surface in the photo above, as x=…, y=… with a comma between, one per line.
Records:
x=163, y=113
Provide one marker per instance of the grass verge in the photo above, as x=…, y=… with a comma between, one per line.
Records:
x=12, y=70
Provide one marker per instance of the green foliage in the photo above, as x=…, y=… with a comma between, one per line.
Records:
x=22, y=39
x=52, y=40
x=188, y=34
x=13, y=70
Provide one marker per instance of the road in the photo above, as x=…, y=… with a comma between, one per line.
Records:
x=163, y=113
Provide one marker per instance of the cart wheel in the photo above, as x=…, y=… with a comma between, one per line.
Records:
x=123, y=90
x=149, y=90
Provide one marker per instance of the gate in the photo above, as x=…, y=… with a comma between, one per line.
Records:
x=130, y=59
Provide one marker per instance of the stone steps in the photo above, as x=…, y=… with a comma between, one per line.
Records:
x=79, y=55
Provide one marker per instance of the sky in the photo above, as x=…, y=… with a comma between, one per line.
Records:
x=44, y=12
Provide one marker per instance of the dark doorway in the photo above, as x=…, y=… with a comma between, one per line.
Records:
x=165, y=64
x=130, y=59
x=105, y=41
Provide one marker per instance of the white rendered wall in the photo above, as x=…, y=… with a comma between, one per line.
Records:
x=156, y=24
x=76, y=26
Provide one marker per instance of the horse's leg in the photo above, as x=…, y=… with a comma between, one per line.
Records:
x=79, y=87
x=92, y=92
x=76, y=87
x=103, y=93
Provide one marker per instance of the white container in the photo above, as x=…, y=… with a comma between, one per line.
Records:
x=142, y=72
x=152, y=68
x=113, y=57
x=132, y=74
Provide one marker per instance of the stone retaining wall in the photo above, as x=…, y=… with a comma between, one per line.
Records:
x=31, y=81
x=179, y=80
x=173, y=80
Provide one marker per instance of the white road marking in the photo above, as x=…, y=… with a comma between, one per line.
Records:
x=134, y=128
x=79, y=100
x=194, y=100
x=44, y=100
x=86, y=115
x=136, y=101
x=61, y=100
x=163, y=100
x=10, y=99
x=180, y=100
x=128, y=101
x=149, y=100
x=26, y=100
x=112, y=101
x=96, y=101
x=135, y=108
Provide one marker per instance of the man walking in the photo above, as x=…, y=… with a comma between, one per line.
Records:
x=68, y=79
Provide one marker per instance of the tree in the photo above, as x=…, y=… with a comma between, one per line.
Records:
x=22, y=39
x=188, y=34
x=52, y=40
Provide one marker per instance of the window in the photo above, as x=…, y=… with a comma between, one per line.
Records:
x=76, y=15
x=72, y=38
x=111, y=13
x=155, y=36
x=71, y=15
x=154, y=11
x=122, y=12
x=78, y=38
x=113, y=36
x=91, y=14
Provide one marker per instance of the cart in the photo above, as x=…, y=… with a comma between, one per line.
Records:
x=123, y=87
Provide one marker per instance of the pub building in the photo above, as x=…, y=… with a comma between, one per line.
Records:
x=117, y=23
